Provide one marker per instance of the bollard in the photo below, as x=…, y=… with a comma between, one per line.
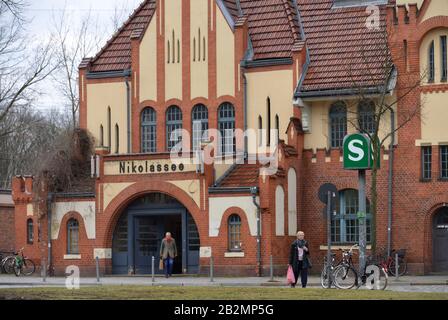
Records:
x=44, y=271
x=152, y=268
x=396, y=266
x=97, y=269
x=272, y=269
x=211, y=270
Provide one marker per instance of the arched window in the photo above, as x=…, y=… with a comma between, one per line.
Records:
x=338, y=124
x=109, y=129
x=344, y=225
x=431, y=63
x=268, y=116
x=117, y=138
x=279, y=211
x=292, y=202
x=73, y=236
x=366, y=116
x=277, y=127
x=199, y=125
x=226, y=125
x=29, y=231
x=234, y=225
x=444, y=57
x=101, y=136
x=149, y=130
x=173, y=127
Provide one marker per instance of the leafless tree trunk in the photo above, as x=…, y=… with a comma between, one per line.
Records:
x=23, y=64
x=382, y=103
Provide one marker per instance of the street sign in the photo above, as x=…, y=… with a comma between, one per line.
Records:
x=357, y=152
x=324, y=189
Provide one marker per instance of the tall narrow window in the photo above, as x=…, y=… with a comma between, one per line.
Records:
x=338, y=124
x=234, y=233
x=443, y=162
x=109, y=129
x=194, y=49
x=260, y=131
x=443, y=44
x=101, y=136
x=199, y=43
x=366, y=116
x=173, y=127
x=30, y=231
x=73, y=237
x=149, y=131
x=405, y=54
x=174, y=49
x=268, y=115
x=168, y=52
x=117, y=139
x=226, y=124
x=204, y=48
x=277, y=127
x=200, y=125
x=431, y=63
x=426, y=162
x=178, y=51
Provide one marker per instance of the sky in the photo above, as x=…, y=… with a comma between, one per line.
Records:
x=40, y=13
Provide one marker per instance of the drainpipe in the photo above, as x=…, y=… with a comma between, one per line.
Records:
x=246, y=152
x=254, y=192
x=390, y=186
x=128, y=99
x=49, y=213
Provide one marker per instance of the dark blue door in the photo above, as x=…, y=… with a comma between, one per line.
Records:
x=148, y=233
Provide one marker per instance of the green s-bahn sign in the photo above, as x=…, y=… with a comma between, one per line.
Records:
x=358, y=154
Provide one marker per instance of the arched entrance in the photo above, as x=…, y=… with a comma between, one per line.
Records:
x=440, y=240
x=141, y=228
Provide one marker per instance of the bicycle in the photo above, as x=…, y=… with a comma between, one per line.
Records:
x=346, y=276
x=23, y=265
x=388, y=262
x=7, y=264
x=333, y=266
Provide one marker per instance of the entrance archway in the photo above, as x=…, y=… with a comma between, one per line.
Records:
x=141, y=228
x=440, y=240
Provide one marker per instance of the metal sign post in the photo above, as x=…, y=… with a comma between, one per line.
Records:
x=362, y=221
x=329, y=262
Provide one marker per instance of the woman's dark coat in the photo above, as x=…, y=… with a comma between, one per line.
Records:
x=293, y=255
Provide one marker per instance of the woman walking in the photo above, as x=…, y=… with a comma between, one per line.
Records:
x=168, y=252
x=299, y=259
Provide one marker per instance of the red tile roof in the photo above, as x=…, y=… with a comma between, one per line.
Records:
x=343, y=51
x=243, y=175
x=116, y=54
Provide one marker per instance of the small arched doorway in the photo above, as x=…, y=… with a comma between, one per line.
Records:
x=440, y=240
x=141, y=228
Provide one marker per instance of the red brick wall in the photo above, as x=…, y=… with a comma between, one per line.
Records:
x=7, y=229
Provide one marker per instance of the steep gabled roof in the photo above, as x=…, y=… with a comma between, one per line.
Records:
x=343, y=52
x=116, y=54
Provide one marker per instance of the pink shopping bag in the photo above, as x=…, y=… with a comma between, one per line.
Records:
x=290, y=276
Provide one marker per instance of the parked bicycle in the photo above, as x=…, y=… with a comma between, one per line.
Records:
x=324, y=274
x=345, y=276
x=23, y=265
x=7, y=263
x=389, y=262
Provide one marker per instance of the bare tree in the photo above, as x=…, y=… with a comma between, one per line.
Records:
x=382, y=102
x=75, y=40
x=23, y=64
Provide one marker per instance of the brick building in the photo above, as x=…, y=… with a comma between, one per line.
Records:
x=7, y=228
x=212, y=67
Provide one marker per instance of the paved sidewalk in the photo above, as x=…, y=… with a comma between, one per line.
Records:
x=12, y=281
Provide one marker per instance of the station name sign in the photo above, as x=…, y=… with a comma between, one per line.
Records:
x=137, y=167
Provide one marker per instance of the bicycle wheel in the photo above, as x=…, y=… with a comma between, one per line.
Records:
x=345, y=277
x=374, y=283
x=8, y=265
x=324, y=278
x=17, y=269
x=402, y=267
x=28, y=267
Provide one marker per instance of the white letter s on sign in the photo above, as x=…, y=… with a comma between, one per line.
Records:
x=356, y=150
